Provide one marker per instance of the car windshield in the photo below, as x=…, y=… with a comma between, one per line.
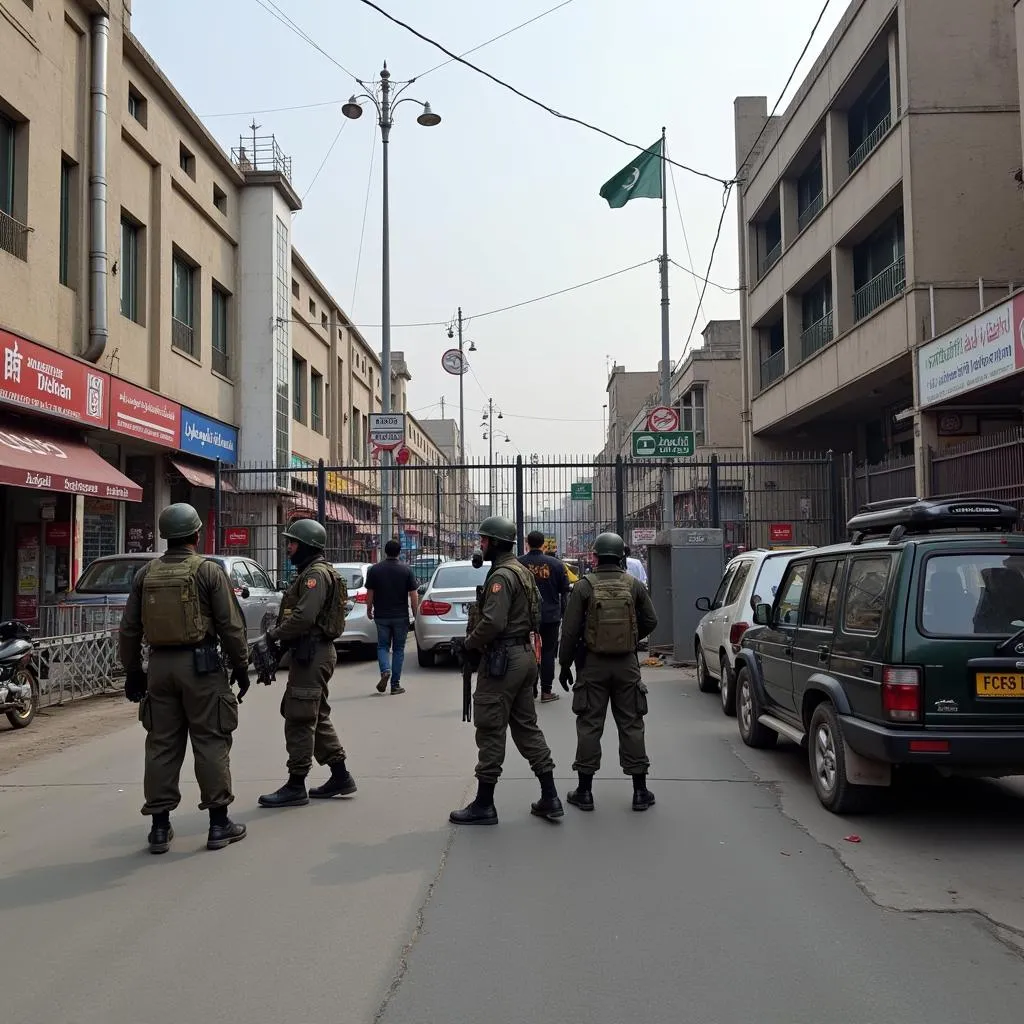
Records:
x=769, y=578
x=973, y=594
x=113, y=576
x=459, y=577
x=352, y=575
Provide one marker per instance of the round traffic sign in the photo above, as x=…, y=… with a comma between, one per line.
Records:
x=662, y=418
x=402, y=455
x=454, y=362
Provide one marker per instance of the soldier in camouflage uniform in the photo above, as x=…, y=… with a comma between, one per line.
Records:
x=503, y=701
x=312, y=616
x=183, y=603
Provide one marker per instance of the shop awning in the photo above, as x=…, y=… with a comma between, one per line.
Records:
x=334, y=510
x=200, y=476
x=52, y=463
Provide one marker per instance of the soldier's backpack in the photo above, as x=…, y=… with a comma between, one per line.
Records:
x=331, y=619
x=611, y=614
x=529, y=585
x=171, y=613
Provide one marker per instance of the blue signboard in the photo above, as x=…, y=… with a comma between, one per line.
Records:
x=208, y=438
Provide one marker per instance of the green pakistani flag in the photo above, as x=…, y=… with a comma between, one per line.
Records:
x=639, y=180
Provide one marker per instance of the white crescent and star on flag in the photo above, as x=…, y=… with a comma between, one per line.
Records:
x=634, y=178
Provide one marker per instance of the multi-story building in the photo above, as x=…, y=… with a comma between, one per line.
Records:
x=877, y=212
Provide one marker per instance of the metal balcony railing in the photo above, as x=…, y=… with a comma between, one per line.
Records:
x=14, y=236
x=773, y=368
x=874, y=137
x=816, y=337
x=220, y=362
x=770, y=259
x=810, y=211
x=183, y=337
x=261, y=153
x=880, y=289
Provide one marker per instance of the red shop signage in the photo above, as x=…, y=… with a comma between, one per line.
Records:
x=44, y=381
x=236, y=537
x=780, y=533
x=58, y=535
x=143, y=414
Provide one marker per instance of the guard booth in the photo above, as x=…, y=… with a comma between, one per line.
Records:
x=684, y=564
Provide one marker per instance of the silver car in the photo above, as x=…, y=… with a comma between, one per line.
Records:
x=444, y=608
x=360, y=631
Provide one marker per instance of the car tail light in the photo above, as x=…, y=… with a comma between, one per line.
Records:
x=736, y=631
x=435, y=608
x=362, y=598
x=929, y=746
x=901, y=694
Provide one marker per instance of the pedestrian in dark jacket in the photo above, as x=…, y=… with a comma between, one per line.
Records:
x=553, y=584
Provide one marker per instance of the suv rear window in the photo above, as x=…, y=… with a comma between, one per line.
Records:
x=976, y=594
x=865, y=594
x=111, y=577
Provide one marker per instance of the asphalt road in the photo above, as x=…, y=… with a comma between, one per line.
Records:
x=725, y=903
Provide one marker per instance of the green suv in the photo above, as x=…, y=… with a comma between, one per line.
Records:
x=904, y=646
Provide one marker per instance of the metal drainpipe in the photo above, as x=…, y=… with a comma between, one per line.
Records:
x=98, y=193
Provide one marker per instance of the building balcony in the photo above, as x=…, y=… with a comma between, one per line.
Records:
x=770, y=259
x=261, y=153
x=874, y=137
x=220, y=362
x=183, y=337
x=14, y=236
x=813, y=208
x=816, y=337
x=773, y=368
x=880, y=289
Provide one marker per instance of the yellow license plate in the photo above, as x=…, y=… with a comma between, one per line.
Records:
x=999, y=684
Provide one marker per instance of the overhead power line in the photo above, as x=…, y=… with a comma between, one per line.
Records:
x=728, y=289
x=275, y=12
x=530, y=99
x=323, y=163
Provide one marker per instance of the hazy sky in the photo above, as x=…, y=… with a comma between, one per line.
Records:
x=499, y=204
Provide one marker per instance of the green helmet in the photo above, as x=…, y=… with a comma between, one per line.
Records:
x=179, y=521
x=308, y=532
x=609, y=545
x=498, y=528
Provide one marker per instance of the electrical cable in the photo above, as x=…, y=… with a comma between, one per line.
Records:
x=721, y=287
x=323, y=163
x=535, y=102
x=686, y=240
x=275, y=12
x=362, y=230
x=273, y=110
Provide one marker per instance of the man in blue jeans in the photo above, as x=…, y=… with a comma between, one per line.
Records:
x=390, y=587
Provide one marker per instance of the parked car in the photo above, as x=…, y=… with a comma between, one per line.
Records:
x=444, y=608
x=360, y=631
x=98, y=598
x=748, y=579
x=423, y=566
x=904, y=646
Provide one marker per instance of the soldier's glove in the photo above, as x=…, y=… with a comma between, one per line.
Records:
x=240, y=677
x=565, y=678
x=136, y=685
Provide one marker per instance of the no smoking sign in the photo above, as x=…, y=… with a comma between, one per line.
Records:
x=663, y=419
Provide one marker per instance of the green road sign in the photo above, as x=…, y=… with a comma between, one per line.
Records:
x=582, y=491
x=670, y=444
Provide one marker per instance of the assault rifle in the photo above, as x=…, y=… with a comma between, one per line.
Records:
x=266, y=656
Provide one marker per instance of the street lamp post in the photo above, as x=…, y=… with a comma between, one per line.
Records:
x=385, y=106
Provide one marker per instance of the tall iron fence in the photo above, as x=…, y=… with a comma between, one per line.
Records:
x=990, y=467
x=437, y=508
x=890, y=478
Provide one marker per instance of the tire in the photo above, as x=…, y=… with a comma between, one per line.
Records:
x=704, y=681
x=826, y=758
x=19, y=720
x=426, y=659
x=748, y=708
x=727, y=688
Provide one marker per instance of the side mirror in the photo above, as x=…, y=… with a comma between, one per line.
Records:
x=281, y=586
x=703, y=604
x=755, y=601
x=421, y=589
x=245, y=593
x=763, y=615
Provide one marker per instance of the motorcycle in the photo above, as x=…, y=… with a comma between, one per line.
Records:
x=19, y=685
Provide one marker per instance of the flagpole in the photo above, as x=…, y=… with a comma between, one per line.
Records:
x=668, y=506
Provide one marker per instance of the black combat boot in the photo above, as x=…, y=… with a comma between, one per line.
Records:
x=291, y=794
x=223, y=831
x=481, y=811
x=642, y=796
x=340, y=783
x=548, y=806
x=583, y=796
x=161, y=834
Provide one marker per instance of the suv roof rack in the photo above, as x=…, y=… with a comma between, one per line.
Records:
x=900, y=516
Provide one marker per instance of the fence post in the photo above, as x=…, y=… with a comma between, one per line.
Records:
x=620, y=497
x=520, y=507
x=714, y=505
x=321, y=493
x=836, y=514
x=437, y=507
x=867, y=482
x=929, y=482
x=218, y=507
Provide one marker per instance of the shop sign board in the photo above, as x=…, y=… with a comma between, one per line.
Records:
x=44, y=381
x=644, y=536
x=236, y=536
x=780, y=533
x=208, y=438
x=985, y=349
x=387, y=430
x=143, y=414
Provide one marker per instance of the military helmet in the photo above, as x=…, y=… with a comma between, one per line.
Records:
x=498, y=528
x=308, y=532
x=609, y=545
x=179, y=521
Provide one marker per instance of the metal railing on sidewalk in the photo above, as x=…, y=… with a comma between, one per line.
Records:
x=76, y=651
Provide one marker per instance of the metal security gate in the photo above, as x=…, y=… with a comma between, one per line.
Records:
x=437, y=508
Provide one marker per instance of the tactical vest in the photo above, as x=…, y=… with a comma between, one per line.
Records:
x=331, y=618
x=171, y=612
x=611, y=614
x=529, y=586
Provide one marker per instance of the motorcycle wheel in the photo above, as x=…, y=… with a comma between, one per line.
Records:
x=23, y=717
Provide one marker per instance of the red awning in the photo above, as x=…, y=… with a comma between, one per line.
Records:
x=52, y=463
x=334, y=511
x=200, y=476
